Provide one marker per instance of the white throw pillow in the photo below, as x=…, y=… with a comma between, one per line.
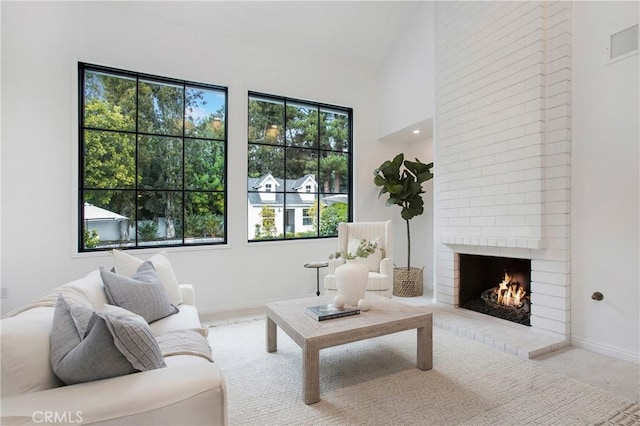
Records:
x=127, y=265
x=372, y=262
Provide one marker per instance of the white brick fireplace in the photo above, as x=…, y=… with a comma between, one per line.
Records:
x=503, y=146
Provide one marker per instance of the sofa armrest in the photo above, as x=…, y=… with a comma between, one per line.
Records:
x=386, y=267
x=188, y=294
x=333, y=264
x=143, y=397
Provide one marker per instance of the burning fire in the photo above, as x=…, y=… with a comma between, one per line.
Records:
x=510, y=293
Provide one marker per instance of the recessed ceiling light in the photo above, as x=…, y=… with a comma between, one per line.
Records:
x=416, y=131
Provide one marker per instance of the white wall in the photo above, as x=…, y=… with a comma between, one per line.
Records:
x=406, y=79
x=406, y=97
x=605, y=184
x=41, y=45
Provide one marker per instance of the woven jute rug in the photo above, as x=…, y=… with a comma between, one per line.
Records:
x=375, y=382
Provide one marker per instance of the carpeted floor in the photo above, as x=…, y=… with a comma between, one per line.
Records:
x=375, y=382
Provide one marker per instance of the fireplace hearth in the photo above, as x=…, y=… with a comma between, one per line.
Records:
x=496, y=286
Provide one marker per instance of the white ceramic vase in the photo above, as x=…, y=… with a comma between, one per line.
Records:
x=351, y=281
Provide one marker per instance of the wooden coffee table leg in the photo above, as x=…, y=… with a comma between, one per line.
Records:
x=311, y=372
x=272, y=336
x=425, y=346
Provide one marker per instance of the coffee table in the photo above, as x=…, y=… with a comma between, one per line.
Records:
x=384, y=317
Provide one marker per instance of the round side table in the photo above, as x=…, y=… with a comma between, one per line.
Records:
x=317, y=265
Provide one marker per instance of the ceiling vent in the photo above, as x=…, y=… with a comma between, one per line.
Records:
x=623, y=43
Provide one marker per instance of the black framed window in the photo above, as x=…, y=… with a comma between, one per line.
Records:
x=152, y=160
x=300, y=164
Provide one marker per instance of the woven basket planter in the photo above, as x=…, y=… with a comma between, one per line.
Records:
x=407, y=282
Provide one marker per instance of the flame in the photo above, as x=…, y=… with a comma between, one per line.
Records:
x=510, y=293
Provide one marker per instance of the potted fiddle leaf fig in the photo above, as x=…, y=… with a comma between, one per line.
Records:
x=402, y=180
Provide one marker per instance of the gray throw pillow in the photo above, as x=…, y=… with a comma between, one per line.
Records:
x=143, y=293
x=133, y=338
x=84, y=347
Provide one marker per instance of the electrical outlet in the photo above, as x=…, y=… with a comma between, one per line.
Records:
x=4, y=292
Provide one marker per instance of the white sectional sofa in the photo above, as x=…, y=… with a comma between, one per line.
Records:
x=190, y=390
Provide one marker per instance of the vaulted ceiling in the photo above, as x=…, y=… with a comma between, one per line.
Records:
x=359, y=33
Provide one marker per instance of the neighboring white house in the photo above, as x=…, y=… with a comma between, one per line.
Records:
x=110, y=226
x=290, y=200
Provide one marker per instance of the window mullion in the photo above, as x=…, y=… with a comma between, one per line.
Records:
x=184, y=154
x=286, y=175
x=319, y=152
x=135, y=181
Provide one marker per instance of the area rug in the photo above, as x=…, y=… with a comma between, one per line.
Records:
x=376, y=382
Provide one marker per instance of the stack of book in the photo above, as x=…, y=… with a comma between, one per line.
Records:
x=326, y=312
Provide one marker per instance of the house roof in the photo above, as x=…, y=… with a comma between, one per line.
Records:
x=93, y=213
x=293, y=199
x=299, y=183
x=262, y=179
x=290, y=186
x=338, y=198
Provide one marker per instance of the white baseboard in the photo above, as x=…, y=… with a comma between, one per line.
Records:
x=240, y=307
x=612, y=351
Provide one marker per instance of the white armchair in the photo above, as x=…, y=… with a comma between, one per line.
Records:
x=380, y=265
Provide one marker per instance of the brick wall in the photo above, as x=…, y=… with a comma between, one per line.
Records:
x=503, y=145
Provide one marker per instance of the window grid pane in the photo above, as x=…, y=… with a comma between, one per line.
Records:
x=152, y=161
x=301, y=187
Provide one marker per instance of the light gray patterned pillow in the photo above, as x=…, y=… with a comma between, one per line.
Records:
x=133, y=338
x=143, y=293
x=87, y=345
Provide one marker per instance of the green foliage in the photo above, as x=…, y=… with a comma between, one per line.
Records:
x=402, y=180
x=333, y=172
x=160, y=108
x=148, y=230
x=203, y=225
x=109, y=157
x=364, y=250
x=330, y=216
x=204, y=165
x=304, y=234
x=266, y=121
x=91, y=238
x=334, y=131
x=302, y=126
x=267, y=230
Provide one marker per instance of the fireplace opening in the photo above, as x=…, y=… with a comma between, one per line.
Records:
x=496, y=286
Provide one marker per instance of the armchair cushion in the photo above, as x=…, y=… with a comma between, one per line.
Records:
x=380, y=264
x=372, y=262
